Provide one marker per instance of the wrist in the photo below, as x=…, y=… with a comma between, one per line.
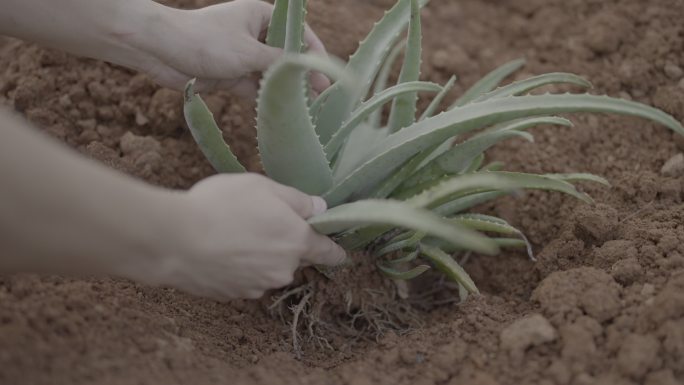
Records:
x=139, y=32
x=159, y=240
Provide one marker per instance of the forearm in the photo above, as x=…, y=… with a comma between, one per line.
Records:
x=112, y=30
x=60, y=213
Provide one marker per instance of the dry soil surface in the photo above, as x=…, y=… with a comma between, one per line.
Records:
x=604, y=304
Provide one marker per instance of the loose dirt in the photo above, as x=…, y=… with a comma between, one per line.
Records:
x=604, y=304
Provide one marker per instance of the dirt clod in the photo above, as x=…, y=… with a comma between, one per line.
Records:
x=527, y=332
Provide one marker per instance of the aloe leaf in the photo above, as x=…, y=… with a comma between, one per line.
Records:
x=476, y=163
x=380, y=85
x=467, y=202
x=363, y=65
x=489, y=82
x=401, y=146
x=512, y=243
x=403, y=275
x=399, y=214
x=503, y=243
x=207, y=134
x=403, y=112
x=410, y=257
x=446, y=264
x=277, y=27
x=294, y=36
x=579, y=177
x=458, y=157
x=374, y=104
x=389, y=185
x=494, y=166
x=288, y=145
x=402, y=244
x=491, y=181
x=358, y=147
x=437, y=101
x=461, y=158
x=491, y=224
x=527, y=85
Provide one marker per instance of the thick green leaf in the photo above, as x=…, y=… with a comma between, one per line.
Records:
x=461, y=157
x=410, y=257
x=579, y=177
x=489, y=82
x=402, y=215
x=525, y=86
x=494, y=166
x=437, y=101
x=277, y=28
x=294, y=36
x=403, y=275
x=358, y=147
x=467, y=184
x=374, y=104
x=403, y=112
x=467, y=202
x=446, y=264
x=389, y=185
x=337, y=103
x=382, y=79
x=207, y=134
x=290, y=151
x=503, y=243
x=401, y=146
x=401, y=244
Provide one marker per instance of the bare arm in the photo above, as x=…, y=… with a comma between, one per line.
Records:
x=219, y=45
x=230, y=236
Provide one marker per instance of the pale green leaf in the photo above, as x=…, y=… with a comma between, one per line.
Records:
x=527, y=85
x=489, y=82
x=337, y=103
x=579, y=177
x=437, y=101
x=294, y=36
x=403, y=275
x=277, y=27
x=402, y=215
x=401, y=146
x=403, y=112
x=288, y=145
x=207, y=134
x=374, y=104
x=380, y=85
x=446, y=264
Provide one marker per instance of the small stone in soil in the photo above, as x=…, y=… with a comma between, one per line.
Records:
x=673, y=71
x=674, y=167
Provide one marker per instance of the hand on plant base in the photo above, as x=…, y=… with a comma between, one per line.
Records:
x=242, y=235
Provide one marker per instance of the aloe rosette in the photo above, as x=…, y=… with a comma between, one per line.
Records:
x=406, y=185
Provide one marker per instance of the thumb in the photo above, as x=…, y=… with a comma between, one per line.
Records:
x=261, y=56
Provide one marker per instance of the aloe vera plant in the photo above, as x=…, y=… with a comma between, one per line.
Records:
x=403, y=185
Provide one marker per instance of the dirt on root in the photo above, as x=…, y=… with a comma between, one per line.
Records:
x=604, y=304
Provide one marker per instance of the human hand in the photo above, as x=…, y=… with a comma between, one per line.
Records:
x=242, y=235
x=219, y=45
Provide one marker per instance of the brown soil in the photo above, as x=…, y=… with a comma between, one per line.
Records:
x=603, y=305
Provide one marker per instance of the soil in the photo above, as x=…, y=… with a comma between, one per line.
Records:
x=604, y=303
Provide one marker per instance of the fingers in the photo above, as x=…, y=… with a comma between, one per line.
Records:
x=323, y=251
x=313, y=42
x=306, y=206
x=260, y=57
x=319, y=82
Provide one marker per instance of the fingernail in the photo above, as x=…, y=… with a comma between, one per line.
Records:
x=319, y=205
